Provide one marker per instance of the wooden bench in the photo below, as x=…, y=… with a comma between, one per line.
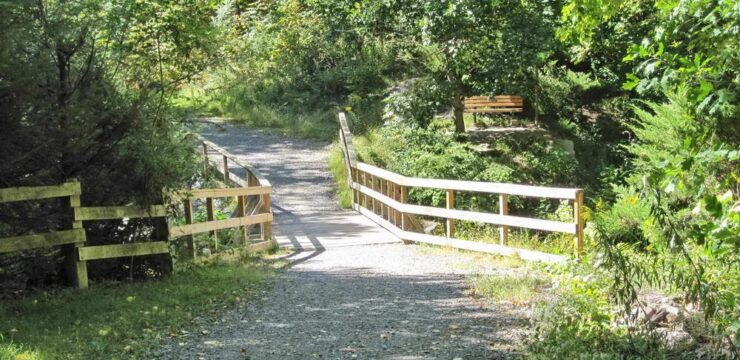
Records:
x=496, y=104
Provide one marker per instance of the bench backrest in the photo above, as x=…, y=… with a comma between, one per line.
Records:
x=500, y=103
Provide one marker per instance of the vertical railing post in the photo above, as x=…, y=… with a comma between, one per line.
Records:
x=211, y=216
x=393, y=194
x=205, y=160
x=189, y=239
x=267, y=225
x=241, y=211
x=381, y=190
x=372, y=199
x=76, y=269
x=399, y=215
x=354, y=179
x=226, y=170
x=450, y=201
x=503, y=209
x=578, y=218
x=404, y=195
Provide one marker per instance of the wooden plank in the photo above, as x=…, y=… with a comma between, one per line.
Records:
x=410, y=236
x=118, y=212
x=503, y=209
x=347, y=139
x=450, y=203
x=27, y=242
x=226, y=169
x=210, y=216
x=207, y=144
x=496, y=219
x=499, y=104
x=98, y=252
x=222, y=193
x=39, y=192
x=265, y=245
x=189, y=241
x=267, y=224
x=491, y=111
x=473, y=186
x=75, y=268
x=241, y=211
x=578, y=217
x=188, y=229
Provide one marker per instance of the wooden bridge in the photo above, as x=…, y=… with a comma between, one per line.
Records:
x=379, y=195
x=383, y=196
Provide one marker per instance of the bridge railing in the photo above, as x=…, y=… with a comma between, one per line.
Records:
x=221, y=160
x=382, y=196
x=253, y=208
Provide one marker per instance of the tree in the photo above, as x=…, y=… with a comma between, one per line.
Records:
x=84, y=93
x=484, y=46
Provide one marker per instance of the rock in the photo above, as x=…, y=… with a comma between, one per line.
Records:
x=658, y=316
x=566, y=145
x=672, y=313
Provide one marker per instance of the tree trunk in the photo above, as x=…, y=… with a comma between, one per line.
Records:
x=458, y=107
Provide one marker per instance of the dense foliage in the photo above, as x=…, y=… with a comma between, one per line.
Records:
x=85, y=90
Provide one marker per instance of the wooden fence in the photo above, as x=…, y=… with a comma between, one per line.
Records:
x=249, y=212
x=382, y=196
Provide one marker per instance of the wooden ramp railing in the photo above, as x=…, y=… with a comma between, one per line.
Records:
x=382, y=196
x=253, y=208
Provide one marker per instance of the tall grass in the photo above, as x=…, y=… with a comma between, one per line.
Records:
x=338, y=169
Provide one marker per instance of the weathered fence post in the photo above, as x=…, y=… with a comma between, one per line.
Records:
x=205, y=160
x=226, y=170
x=267, y=226
x=450, y=224
x=578, y=218
x=210, y=217
x=189, y=240
x=241, y=211
x=76, y=269
x=503, y=209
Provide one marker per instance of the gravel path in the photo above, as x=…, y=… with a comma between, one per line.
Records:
x=353, y=290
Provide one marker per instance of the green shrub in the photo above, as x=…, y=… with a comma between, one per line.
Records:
x=579, y=323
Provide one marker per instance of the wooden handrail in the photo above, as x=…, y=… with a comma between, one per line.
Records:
x=263, y=187
x=381, y=195
x=73, y=241
x=251, y=169
x=473, y=186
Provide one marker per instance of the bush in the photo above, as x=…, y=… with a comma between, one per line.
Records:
x=579, y=323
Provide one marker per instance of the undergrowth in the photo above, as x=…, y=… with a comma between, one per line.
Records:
x=125, y=320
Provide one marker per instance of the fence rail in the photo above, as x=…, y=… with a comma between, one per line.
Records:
x=73, y=241
x=382, y=196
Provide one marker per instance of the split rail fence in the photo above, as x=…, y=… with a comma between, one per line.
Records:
x=383, y=196
x=253, y=209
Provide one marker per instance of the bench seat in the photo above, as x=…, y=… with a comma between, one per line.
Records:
x=496, y=104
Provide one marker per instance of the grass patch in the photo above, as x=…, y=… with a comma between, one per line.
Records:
x=338, y=169
x=320, y=124
x=473, y=257
x=123, y=320
x=16, y=352
x=515, y=288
